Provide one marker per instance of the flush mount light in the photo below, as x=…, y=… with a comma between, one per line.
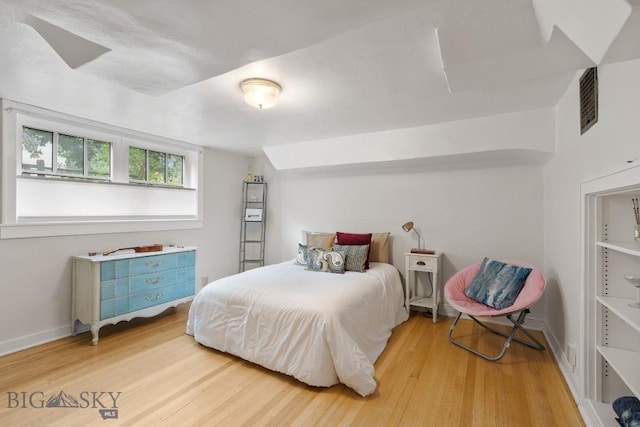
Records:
x=260, y=93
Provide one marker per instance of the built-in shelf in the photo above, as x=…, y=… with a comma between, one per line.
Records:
x=606, y=415
x=625, y=363
x=622, y=309
x=631, y=248
x=611, y=352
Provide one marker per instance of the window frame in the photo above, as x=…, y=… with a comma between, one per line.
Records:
x=55, y=143
x=147, y=180
x=12, y=225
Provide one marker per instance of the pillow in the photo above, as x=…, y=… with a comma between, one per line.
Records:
x=379, y=249
x=335, y=261
x=355, y=256
x=627, y=408
x=355, y=239
x=497, y=284
x=315, y=262
x=301, y=256
x=319, y=240
x=321, y=260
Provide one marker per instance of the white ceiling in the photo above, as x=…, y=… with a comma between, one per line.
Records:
x=346, y=67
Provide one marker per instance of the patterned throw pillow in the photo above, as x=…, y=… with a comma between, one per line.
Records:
x=315, y=262
x=497, y=284
x=355, y=239
x=627, y=408
x=335, y=261
x=355, y=256
x=301, y=256
x=322, y=260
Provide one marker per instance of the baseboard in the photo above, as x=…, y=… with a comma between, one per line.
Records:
x=22, y=343
x=562, y=362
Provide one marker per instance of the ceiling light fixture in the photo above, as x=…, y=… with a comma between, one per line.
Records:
x=260, y=93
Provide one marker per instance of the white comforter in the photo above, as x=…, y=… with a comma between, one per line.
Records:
x=321, y=328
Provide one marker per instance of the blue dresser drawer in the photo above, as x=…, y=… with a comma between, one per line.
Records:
x=152, y=264
x=110, y=270
x=187, y=259
x=189, y=288
x=114, y=288
x=114, y=307
x=149, y=282
x=156, y=296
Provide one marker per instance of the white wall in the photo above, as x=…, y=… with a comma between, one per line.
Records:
x=35, y=274
x=605, y=148
x=468, y=211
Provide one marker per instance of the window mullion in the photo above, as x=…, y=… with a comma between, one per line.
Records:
x=85, y=157
x=166, y=168
x=54, y=154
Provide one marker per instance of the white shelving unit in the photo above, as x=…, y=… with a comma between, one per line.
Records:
x=611, y=347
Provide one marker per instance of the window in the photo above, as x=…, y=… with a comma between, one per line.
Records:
x=49, y=153
x=155, y=167
x=66, y=175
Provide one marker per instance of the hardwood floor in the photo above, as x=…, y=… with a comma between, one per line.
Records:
x=164, y=377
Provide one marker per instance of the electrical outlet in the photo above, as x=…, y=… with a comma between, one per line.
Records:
x=571, y=356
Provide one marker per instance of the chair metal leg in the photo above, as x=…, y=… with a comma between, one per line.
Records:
x=511, y=336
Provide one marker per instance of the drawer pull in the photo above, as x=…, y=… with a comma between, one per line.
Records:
x=157, y=280
x=152, y=298
x=152, y=264
x=420, y=263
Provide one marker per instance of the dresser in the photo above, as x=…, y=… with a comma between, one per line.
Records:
x=117, y=287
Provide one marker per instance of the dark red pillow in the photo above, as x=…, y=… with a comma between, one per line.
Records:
x=355, y=239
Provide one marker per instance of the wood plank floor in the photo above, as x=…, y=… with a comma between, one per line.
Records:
x=165, y=378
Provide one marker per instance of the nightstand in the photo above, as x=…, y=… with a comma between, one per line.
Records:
x=426, y=263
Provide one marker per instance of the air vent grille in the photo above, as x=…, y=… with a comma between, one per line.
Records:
x=588, y=99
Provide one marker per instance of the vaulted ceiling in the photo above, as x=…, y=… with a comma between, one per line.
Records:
x=346, y=67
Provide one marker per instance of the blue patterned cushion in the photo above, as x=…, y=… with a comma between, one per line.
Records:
x=627, y=408
x=301, y=256
x=355, y=256
x=315, y=261
x=335, y=261
x=323, y=260
x=497, y=284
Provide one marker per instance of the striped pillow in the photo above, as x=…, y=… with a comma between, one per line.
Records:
x=355, y=256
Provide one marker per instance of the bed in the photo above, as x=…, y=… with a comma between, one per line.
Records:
x=321, y=328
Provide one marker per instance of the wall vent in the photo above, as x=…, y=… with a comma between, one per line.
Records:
x=588, y=99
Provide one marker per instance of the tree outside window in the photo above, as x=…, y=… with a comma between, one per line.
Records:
x=68, y=156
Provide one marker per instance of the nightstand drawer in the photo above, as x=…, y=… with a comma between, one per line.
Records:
x=421, y=263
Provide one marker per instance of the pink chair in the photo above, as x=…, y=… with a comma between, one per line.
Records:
x=530, y=293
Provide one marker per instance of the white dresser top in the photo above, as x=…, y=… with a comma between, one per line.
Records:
x=130, y=253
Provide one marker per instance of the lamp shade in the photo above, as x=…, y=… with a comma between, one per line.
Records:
x=260, y=93
x=407, y=226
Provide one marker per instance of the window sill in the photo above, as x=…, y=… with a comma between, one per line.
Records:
x=50, y=229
